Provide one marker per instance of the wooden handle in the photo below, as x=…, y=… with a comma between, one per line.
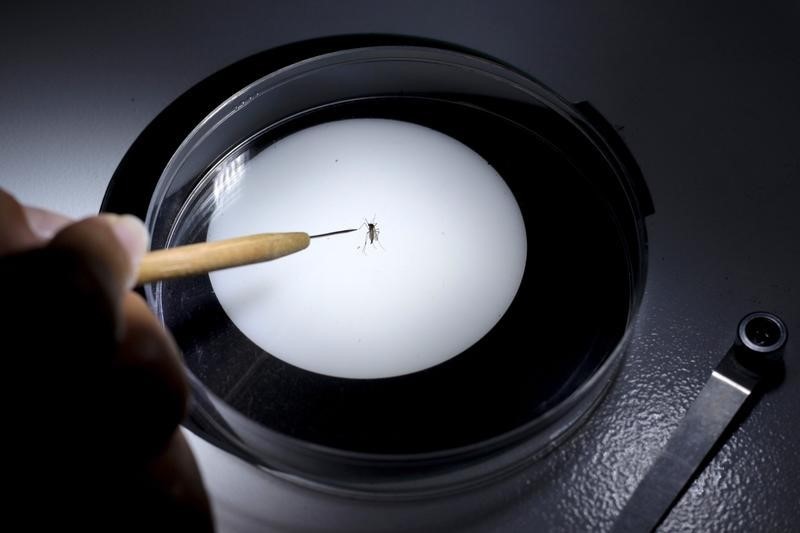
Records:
x=194, y=259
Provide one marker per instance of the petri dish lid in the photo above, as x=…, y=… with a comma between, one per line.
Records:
x=499, y=224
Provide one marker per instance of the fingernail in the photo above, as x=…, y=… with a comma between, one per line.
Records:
x=133, y=235
x=45, y=224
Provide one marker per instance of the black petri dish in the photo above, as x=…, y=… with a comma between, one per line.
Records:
x=568, y=315
x=506, y=399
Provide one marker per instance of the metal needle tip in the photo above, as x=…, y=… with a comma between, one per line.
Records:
x=333, y=233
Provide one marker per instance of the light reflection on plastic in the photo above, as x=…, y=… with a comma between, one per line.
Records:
x=226, y=182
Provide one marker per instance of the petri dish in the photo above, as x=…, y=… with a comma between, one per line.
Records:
x=470, y=323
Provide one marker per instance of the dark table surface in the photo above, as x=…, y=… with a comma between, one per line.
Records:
x=707, y=95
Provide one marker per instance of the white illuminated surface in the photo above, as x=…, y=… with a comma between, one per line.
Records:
x=452, y=257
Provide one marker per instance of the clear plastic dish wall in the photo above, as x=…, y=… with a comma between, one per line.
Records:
x=183, y=196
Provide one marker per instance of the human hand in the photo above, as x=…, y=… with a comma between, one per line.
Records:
x=94, y=387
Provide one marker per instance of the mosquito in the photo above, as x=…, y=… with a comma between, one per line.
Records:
x=372, y=233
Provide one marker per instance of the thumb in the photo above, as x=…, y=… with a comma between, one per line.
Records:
x=65, y=307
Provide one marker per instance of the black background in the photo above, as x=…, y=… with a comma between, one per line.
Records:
x=707, y=95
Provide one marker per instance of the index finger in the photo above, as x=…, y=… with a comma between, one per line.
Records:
x=15, y=234
x=24, y=227
x=45, y=223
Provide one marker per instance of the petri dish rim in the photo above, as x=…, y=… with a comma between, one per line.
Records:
x=224, y=111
